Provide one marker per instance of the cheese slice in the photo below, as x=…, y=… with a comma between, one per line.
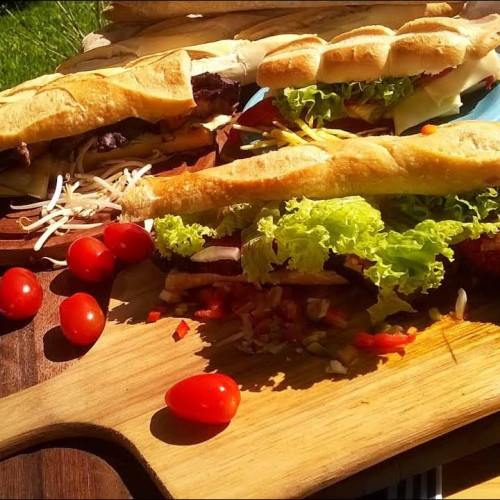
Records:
x=441, y=97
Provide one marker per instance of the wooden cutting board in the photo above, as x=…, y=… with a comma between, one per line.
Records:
x=297, y=430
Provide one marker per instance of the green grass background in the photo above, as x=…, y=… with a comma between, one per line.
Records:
x=38, y=35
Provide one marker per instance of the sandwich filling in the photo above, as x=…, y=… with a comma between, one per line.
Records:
x=398, y=245
x=397, y=103
x=216, y=100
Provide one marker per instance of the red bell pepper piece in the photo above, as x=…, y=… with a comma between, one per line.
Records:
x=181, y=330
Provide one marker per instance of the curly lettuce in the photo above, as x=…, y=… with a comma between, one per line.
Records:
x=326, y=102
x=302, y=235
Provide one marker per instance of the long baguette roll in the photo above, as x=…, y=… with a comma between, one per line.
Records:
x=459, y=157
x=427, y=45
x=124, y=11
x=329, y=22
x=234, y=59
x=119, y=43
x=58, y=105
x=162, y=37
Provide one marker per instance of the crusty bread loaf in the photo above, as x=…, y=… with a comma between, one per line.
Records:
x=332, y=21
x=119, y=43
x=459, y=157
x=242, y=62
x=162, y=37
x=235, y=59
x=124, y=11
x=58, y=105
x=427, y=45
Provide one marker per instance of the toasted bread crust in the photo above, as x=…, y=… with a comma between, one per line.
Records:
x=211, y=36
x=332, y=21
x=58, y=105
x=426, y=45
x=125, y=11
x=459, y=157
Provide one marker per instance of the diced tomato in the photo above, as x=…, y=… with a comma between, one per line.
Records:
x=383, y=343
x=293, y=332
x=364, y=340
x=262, y=114
x=290, y=309
x=429, y=129
x=153, y=316
x=214, y=300
x=392, y=340
x=216, y=312
x=240, y=295
x=482, y=253
x=181, y=330
x=489, y=81
x=336, y=316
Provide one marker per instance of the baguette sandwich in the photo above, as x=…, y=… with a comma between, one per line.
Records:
x=119, y=43
x=57, y=123
x=387, y=211
x=375, y=77
x=126, y=11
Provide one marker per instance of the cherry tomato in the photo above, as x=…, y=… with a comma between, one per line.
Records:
x=82, y=320
x=20, y=294
x=210, y=398
x=128, y=242
x=90, y=260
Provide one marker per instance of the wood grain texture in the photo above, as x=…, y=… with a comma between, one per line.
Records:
x=30, y=353
x=117, y=391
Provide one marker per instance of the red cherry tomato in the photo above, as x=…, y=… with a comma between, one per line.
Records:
x=128, y=242
x=210, y=398
x=82, y=320
x=20, y=294
x=90, y=260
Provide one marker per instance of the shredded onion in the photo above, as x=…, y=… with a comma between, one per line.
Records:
x=55, y=262
x=84, y=195
x=212, y=254
x=460, y=305
x=51, y=229
x=57, y=193
x=336, y=368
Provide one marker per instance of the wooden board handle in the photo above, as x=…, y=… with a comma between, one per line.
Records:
x=35, y=415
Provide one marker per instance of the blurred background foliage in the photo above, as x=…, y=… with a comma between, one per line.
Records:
x=36, y=36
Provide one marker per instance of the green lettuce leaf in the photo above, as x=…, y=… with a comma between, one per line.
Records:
x=174, y=235
x=409, y=209
x=325, y=102
x=302, y=234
